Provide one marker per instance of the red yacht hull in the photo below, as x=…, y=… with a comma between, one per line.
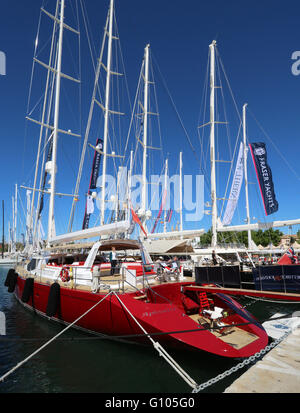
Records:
x=163, y=316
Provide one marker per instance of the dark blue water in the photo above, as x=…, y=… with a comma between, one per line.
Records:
x=85, y=365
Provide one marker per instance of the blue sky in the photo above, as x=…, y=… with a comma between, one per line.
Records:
x=255, y=41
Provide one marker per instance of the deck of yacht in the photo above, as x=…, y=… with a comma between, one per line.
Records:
x=234, y=336
x=107, y=282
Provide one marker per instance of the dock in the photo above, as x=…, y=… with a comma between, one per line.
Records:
x=277, y=372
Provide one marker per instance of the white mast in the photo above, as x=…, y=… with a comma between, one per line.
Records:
x=93, y=101
x=16, y=213
x=180, y=190
x=30, y=229
x=51, y=230
x=13, y=225
x=145, y=132
x=129, y=185
x=117, y=196
x=106, y=110
x=166, y=186
x=246, y=173
x=212, y=144
x=9, y=238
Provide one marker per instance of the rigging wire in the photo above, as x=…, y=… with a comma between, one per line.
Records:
x=177, y=113
x=276, y=148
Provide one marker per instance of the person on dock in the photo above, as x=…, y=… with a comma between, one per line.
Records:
x=113, y=260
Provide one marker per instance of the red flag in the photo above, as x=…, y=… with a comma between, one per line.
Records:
x=137, y=220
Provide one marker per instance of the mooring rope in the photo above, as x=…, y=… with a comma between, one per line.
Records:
x=161, y=333
x=162, y=352
x=51, y=340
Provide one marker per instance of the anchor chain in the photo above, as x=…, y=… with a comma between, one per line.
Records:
x=241, y=365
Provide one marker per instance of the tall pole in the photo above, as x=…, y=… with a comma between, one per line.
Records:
x=145, y=131
x=51, y=231
x=180, y=190
x=212, y=144
x=2, y=229
x=106, y=110
x=31, y=229
x=88, y=127
x=117, y=196
x=166, y=186
x=16, y=213
x=129, y=185
x=9, y=239
x=246, y=173
x=13, y=244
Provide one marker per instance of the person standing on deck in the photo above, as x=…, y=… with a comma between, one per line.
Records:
x=113, y=260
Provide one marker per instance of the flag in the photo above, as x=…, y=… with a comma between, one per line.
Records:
x=89, y=207
x=288, y=258
x=96, y=165
x=235, y=188
x=264, y=177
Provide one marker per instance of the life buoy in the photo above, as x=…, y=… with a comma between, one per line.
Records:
x=64, y=274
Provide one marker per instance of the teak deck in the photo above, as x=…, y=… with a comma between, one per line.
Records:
x=234, y=336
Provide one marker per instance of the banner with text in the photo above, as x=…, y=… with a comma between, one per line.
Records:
x=264, y=177
x=89, y=208
x=235, y=188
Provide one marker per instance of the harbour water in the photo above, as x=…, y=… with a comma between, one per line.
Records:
x=78, y=363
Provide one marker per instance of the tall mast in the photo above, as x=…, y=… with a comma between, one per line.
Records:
x=246, y=173
x=212, y=144
x=117, y=196
x=16, y=212
x=166, y=185
x=106, y=110
x=87, y=131
x=129, y=185
x=145, y=131
x=51, y=231
x=180, y=190
x=31, y=229
x=12, y=227
x=2, y=229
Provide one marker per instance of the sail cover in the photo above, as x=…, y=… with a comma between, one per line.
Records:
x=235, y=188
x=264, y=177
